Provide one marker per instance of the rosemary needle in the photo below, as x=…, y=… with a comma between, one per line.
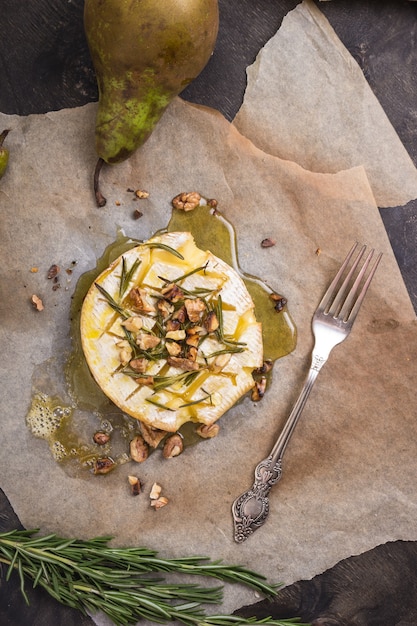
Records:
x=92, y=576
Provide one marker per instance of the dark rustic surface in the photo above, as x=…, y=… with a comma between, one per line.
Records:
x=45, y=65
x=376, y=588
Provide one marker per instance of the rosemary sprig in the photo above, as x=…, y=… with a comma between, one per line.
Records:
x=126, y=275
x=163, y=246
x=151, y=400
x=220, y=332
x=112, y=302
x=162, y=382
x=92, y=576
x=202, y=268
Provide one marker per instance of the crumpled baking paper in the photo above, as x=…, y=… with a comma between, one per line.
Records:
x=308, y=101
x=348, y=475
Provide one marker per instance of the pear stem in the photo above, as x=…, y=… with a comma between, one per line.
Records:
x=3, y=136
x=100, y=199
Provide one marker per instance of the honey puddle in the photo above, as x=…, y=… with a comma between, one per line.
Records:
x=68, y=407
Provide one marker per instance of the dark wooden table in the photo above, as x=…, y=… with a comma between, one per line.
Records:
x=45, y=65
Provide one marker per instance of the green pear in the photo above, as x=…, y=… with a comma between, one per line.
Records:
x=4, y=153
x=144, y=52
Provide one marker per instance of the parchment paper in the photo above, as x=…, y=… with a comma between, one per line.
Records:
x=349, y=479
x=307, y=101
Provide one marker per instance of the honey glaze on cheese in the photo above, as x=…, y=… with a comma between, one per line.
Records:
x=170, y=334
x=86, y=403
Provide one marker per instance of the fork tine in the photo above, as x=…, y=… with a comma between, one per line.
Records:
x=343, y=290
x=349, y=313
x=342, y=301
x=328, y=298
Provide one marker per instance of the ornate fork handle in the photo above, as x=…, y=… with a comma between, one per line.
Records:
x=331, y=324
x=251, y=509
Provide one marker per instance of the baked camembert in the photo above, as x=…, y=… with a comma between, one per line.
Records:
x=169, y=333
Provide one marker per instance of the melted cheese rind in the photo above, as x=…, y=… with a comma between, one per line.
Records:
x=211, y=393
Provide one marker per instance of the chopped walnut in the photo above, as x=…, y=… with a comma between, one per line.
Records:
x=187, y=201
x=173, y=348
x=258, y=391
x=125, y=351
x=159, y=503
x=133, y=324
x=279, y=301
x=183, y=364
x=173, y=446
x=155, y=491
x=139, y=365
x=146, y=341
x=139, y=450
x=212, y=203
x=172, y=292
x=220, y=362
x=193, y=340
x=265, y=367
x=104, y=465
x=148, y=381
x=195, y=309
x=192, y=353
x=268, y=243
x=172, y=325
x=176, y=335
x=101, y=438
x=53, y=271
x=211, y=322
x=208, y=431
x=134, y=485
x=152, y=436
x=141, y=193
x=165, y=308
x=37, y=303
x=138, y=298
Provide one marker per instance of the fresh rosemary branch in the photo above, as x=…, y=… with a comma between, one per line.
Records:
x=163, y=246
x=92, y=576
x=112, y=302
x=127, y=275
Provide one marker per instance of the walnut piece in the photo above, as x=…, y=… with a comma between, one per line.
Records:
x=155, y=491
x=133, y=324
x=220, y=362
x=101, y=438
x=146, y=341
x=195, y=309
x=268, y=243
x=208, y=431
x=258, y=391
x=173, y=348
x=152, y=436
x=141, y=193
x=211, y=322
x=37, y=303
x=187, y=365
x=159, y=503
x=139, y=450
x=53, y=272
x=139, y=365
x=186, y=201
x=134, y=485
x=104, y=465
x=173, y=446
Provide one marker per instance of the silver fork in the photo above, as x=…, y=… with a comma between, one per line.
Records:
x=332, y=323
